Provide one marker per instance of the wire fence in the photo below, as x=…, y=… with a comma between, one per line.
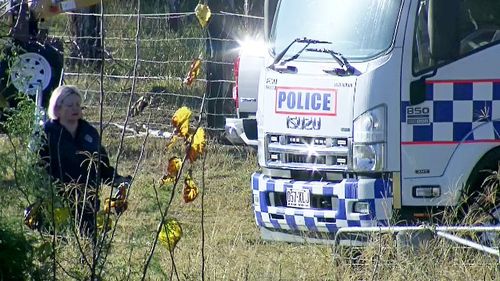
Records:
x=164, y=55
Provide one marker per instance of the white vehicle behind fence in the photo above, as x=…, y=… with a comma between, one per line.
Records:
x=247, y=68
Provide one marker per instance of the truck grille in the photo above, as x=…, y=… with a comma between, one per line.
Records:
x=299, y=152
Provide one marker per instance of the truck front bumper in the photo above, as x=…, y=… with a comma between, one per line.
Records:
x=273, y=214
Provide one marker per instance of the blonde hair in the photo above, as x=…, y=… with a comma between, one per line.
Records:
x=58, y=95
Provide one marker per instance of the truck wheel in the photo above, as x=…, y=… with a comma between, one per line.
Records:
x=483, y=170
x=486, y=213
x=484, y=206
x=34, y=64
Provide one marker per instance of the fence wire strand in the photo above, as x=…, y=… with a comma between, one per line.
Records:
x=166, y=56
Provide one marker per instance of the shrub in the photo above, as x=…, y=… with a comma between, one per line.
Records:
x=16, y=258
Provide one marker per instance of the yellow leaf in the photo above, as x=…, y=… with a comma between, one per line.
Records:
x=174, y=165
x=197, y=145
x=203, y=14
x=199, y=138
x=183, y=130
x=190, y=191
x=194, y=71
x=170, y=233
x=107, y=206
x=166, y=180
x=180, y=120
x=181, y=116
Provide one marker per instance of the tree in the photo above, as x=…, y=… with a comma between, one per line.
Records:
x=85, y=30
x=219, y=50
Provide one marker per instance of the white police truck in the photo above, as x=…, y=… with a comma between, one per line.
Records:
x=370, y=108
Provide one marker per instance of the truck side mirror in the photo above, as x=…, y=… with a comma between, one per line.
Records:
x=444, y=19
x=417, y=91
x=269, y=11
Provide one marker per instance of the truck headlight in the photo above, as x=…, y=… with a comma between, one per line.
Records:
x=368, y=151
x=368, y=157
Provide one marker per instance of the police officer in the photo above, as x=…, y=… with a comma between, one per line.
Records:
x=70, y=151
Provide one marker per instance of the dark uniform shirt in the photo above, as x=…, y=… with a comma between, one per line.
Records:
x=74, y=160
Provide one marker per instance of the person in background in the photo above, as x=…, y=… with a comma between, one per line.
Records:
x=69, y=150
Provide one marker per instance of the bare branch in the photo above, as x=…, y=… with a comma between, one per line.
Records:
x=203, y=218
x=143, y=148
x=99, y=140
x=122, y=137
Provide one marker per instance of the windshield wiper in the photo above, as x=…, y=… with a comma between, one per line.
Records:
x=305, y=40
x=345, y=67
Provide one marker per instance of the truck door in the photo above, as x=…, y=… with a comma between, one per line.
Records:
x=450, y=95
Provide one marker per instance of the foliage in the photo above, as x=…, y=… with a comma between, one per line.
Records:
x=16, y=258
x=20, y=120
x=20, y=157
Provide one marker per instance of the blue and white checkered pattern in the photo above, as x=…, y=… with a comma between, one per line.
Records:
x=378, y=194
x=459, y=111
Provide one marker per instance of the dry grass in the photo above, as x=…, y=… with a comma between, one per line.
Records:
x=233, y=248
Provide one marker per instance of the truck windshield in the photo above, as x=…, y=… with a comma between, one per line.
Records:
x=359, y=29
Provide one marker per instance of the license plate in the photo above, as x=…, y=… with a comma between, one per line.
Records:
x=300, y=198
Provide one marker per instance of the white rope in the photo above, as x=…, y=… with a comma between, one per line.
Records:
x=222, y=13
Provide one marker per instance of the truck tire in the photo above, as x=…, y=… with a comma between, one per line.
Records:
x=485, y=211
x=482, y=200
x=32, y=63
x=485, y=166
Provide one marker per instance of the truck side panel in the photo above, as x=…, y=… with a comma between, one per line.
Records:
x=443, y=137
